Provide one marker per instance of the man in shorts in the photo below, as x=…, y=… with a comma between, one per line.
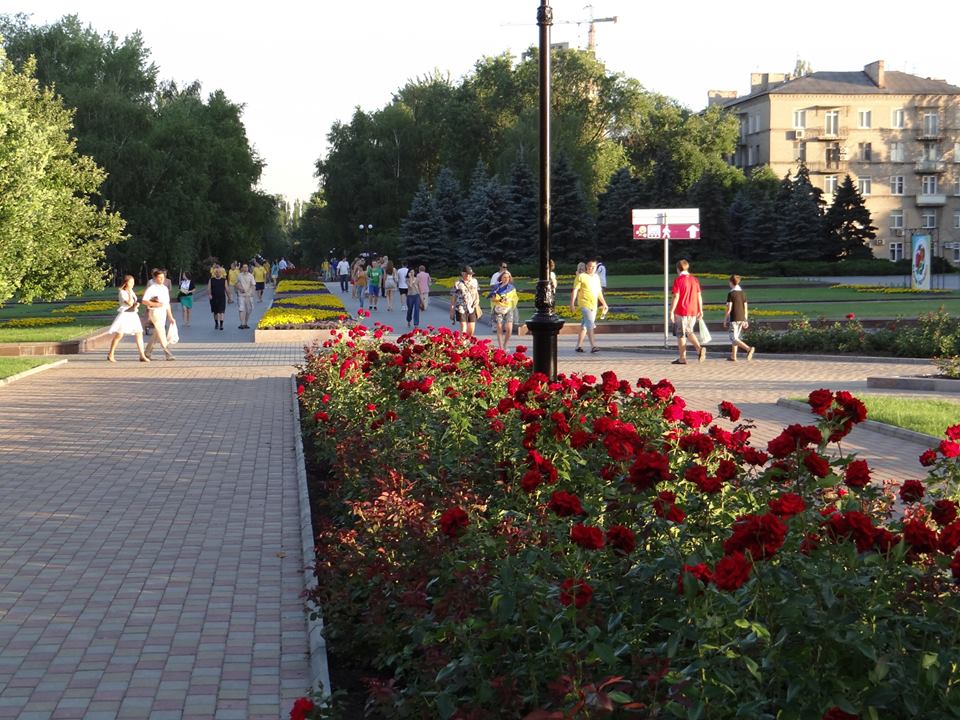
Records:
x=687, y=307
x=736, y=317
x=246, y=286
x=260, y=279
x=587, y=295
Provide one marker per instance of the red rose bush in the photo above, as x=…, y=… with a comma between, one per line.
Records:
x=499, y=545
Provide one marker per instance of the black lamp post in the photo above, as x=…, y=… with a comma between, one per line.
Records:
x=366, y=229
x=545, y=325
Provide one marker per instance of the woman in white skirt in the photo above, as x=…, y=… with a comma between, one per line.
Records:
x=127, y=321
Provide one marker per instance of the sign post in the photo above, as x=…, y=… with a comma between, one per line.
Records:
x=666, y=225
x=921, y=261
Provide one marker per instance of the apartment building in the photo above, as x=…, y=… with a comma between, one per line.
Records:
x=896, y=134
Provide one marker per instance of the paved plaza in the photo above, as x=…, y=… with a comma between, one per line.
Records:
x=150, y=555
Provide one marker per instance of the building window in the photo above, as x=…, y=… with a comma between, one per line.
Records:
x=831, y=120
x=864, y=116
x=750, y=158
x=956, y=221
x=799, y=119
x=931, y=124
x=956, y=152
x=896, y=152
x=864, y=152
x=896, y=220
x=956, y=186
x=896, y=251
x=896, y=184
x=801, y=152
x=928, y=185
x=931, y=152
x=928, y=219
x=754, y=122
x=833, y=155
x=896, y=121
x=864, y=184
x=830, y=184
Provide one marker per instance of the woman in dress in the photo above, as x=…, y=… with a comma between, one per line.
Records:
x=465, y=301
x=390, y=282
x=217, y=290
x=186, y=297
x=127, y=321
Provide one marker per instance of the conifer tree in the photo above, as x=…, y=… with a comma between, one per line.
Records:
x=448, y=197
x=470, y=242
x=711, y=196
x=753, y=220
x=847, y=225
x=800, y=218
x=522, y=202
x=615, y=221
x=420, y=230
x=572, y=225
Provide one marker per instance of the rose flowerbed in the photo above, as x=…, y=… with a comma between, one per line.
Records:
x=497, y=545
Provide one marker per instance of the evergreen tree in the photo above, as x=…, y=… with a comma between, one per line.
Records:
x=420, y=230
x=711, y=195
x=800, y=218
x=753, y=219
x=474, y=212
x=615, y=219
x=847, y=225
x=448, y=197
x=571, y=231
x=523, y=204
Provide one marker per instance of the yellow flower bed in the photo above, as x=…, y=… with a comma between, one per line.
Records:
x=628, y=295
x=275, y=317
x=526, y=296
x=447, y=282
x=754, y=312
x=565, y=312
x=722, y=276
x=299, y=286
x=37, y=322
x=87, y=307
x=884, y=290
x=314, y=301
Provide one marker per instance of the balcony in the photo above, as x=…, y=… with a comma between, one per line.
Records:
x=929, y=134
x=821, y=134
x=931, y=166
x=826, y=168
x=938, y=200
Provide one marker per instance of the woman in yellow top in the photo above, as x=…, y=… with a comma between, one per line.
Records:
x=505, y=300
x=260, y=278
x=233, y=274
x=587, y=295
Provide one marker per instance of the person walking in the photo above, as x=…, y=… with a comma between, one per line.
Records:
x=736, y=316
x=686, y=308
x=465, y=301
x=505, y=300
x=127, y=321
x=413, y=300
x=403, y=276
x=274, y=272
x=374, y=280
x=423, y=281
x=359, y=281
x=343, y=273
x=495, y=278
x=602, y=274
x=588, y=296
x=157, y=299
x=390, y=283
x=260, y=279
x=187, y=288
x=232, y=274
x=246, y=286
x=217, y=290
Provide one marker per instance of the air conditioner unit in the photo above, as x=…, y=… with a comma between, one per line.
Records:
x=898, y=233
x=878, y=242
x=798, y=134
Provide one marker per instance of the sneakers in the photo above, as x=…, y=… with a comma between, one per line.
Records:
x=679, y=361
x=750, y=354
x=702, y=354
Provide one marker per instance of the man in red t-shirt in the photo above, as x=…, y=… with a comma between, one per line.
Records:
x=686, y=308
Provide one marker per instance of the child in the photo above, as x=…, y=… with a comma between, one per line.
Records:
x=737, y=314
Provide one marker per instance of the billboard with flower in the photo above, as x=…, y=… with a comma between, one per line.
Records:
x=920, y=261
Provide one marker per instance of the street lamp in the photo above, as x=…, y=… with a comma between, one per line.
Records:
x=545, y=325
x=366, y=230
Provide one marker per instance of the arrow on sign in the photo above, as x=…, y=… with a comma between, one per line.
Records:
x=693, y=231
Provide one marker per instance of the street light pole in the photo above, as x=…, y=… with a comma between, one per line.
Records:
x=545, y=325
x=366, y=229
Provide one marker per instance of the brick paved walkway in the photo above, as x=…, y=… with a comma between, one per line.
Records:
x=157, y=573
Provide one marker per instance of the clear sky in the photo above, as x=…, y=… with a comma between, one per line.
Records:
x=299, y=66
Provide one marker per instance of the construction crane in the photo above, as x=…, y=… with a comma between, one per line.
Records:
x=591, y=21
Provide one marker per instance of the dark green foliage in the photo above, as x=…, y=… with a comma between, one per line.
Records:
x=420, y=231
x=799, y=207
x=712, y=194
x=523, y=201
x=486, y=219
x=753, y=219
x=571, y=224
x=614, y=220
x=847, y=225
x=448, y=197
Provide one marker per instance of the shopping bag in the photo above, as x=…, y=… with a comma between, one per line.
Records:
x=173, y=335
x=704, y=331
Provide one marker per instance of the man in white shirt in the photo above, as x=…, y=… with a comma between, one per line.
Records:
x=403, y=275
x=343, y=274
x=157, y=300
x=602, y=274
x=282, y=265
x=495, y=278
x=245, y=287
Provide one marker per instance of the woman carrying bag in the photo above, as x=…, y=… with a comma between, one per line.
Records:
x=465, y=301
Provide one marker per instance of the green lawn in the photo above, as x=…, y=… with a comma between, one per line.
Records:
x=12, y=366
x=928, y=416
x=55, y=333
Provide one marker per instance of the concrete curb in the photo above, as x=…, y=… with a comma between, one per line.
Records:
x=319, y=667
x=31, y=371
x=780, y=356
x=883, y=428
x=930, y=384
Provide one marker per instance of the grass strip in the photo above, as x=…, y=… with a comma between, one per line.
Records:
x=14, y=365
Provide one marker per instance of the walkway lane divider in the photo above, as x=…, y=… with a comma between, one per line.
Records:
x=319, y=667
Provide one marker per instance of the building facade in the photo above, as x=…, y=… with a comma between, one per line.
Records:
x=897, y=135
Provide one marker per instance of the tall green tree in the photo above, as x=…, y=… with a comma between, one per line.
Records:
x=523, y=202
x=847, y=225
x=420, y=231
x=799, y=218
x=571, y=222
x=614, y=219
x=448, y=197
x=753, y=216
x=54, y=226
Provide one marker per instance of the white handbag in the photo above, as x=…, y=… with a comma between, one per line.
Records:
x=173, y=335
x=704, y=331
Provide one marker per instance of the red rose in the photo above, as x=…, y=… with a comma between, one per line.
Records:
x=531, y=480
x=919, y=537
x=820, y=401
x=621, y=539
x=576, y=592
x=928, y=457
x=565, y=504
x=648, y=469
x=944, y=512
x=726, y=470
x=425, y=385
x=850, y=316
x=755, y=457
x=497, y=426
x=760, y=535
x=949, y=538
x=586, y=536
x=787, y=505
x=301, y=709
x=911, y=491
x=949, y=448
x=953, y=432
x=729, y=410
x=836, y=713
x=664, y=506
x=320, y=416
x=731, y=571
x=300, y=389
x=701, y=571
x=816, y=464
x=454, y=522
x=857, y=474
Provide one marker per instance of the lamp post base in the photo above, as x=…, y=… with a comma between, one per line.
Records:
x=544, y=328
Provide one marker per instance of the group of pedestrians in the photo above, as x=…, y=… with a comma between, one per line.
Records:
x=401, y=285
x=156, y=298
